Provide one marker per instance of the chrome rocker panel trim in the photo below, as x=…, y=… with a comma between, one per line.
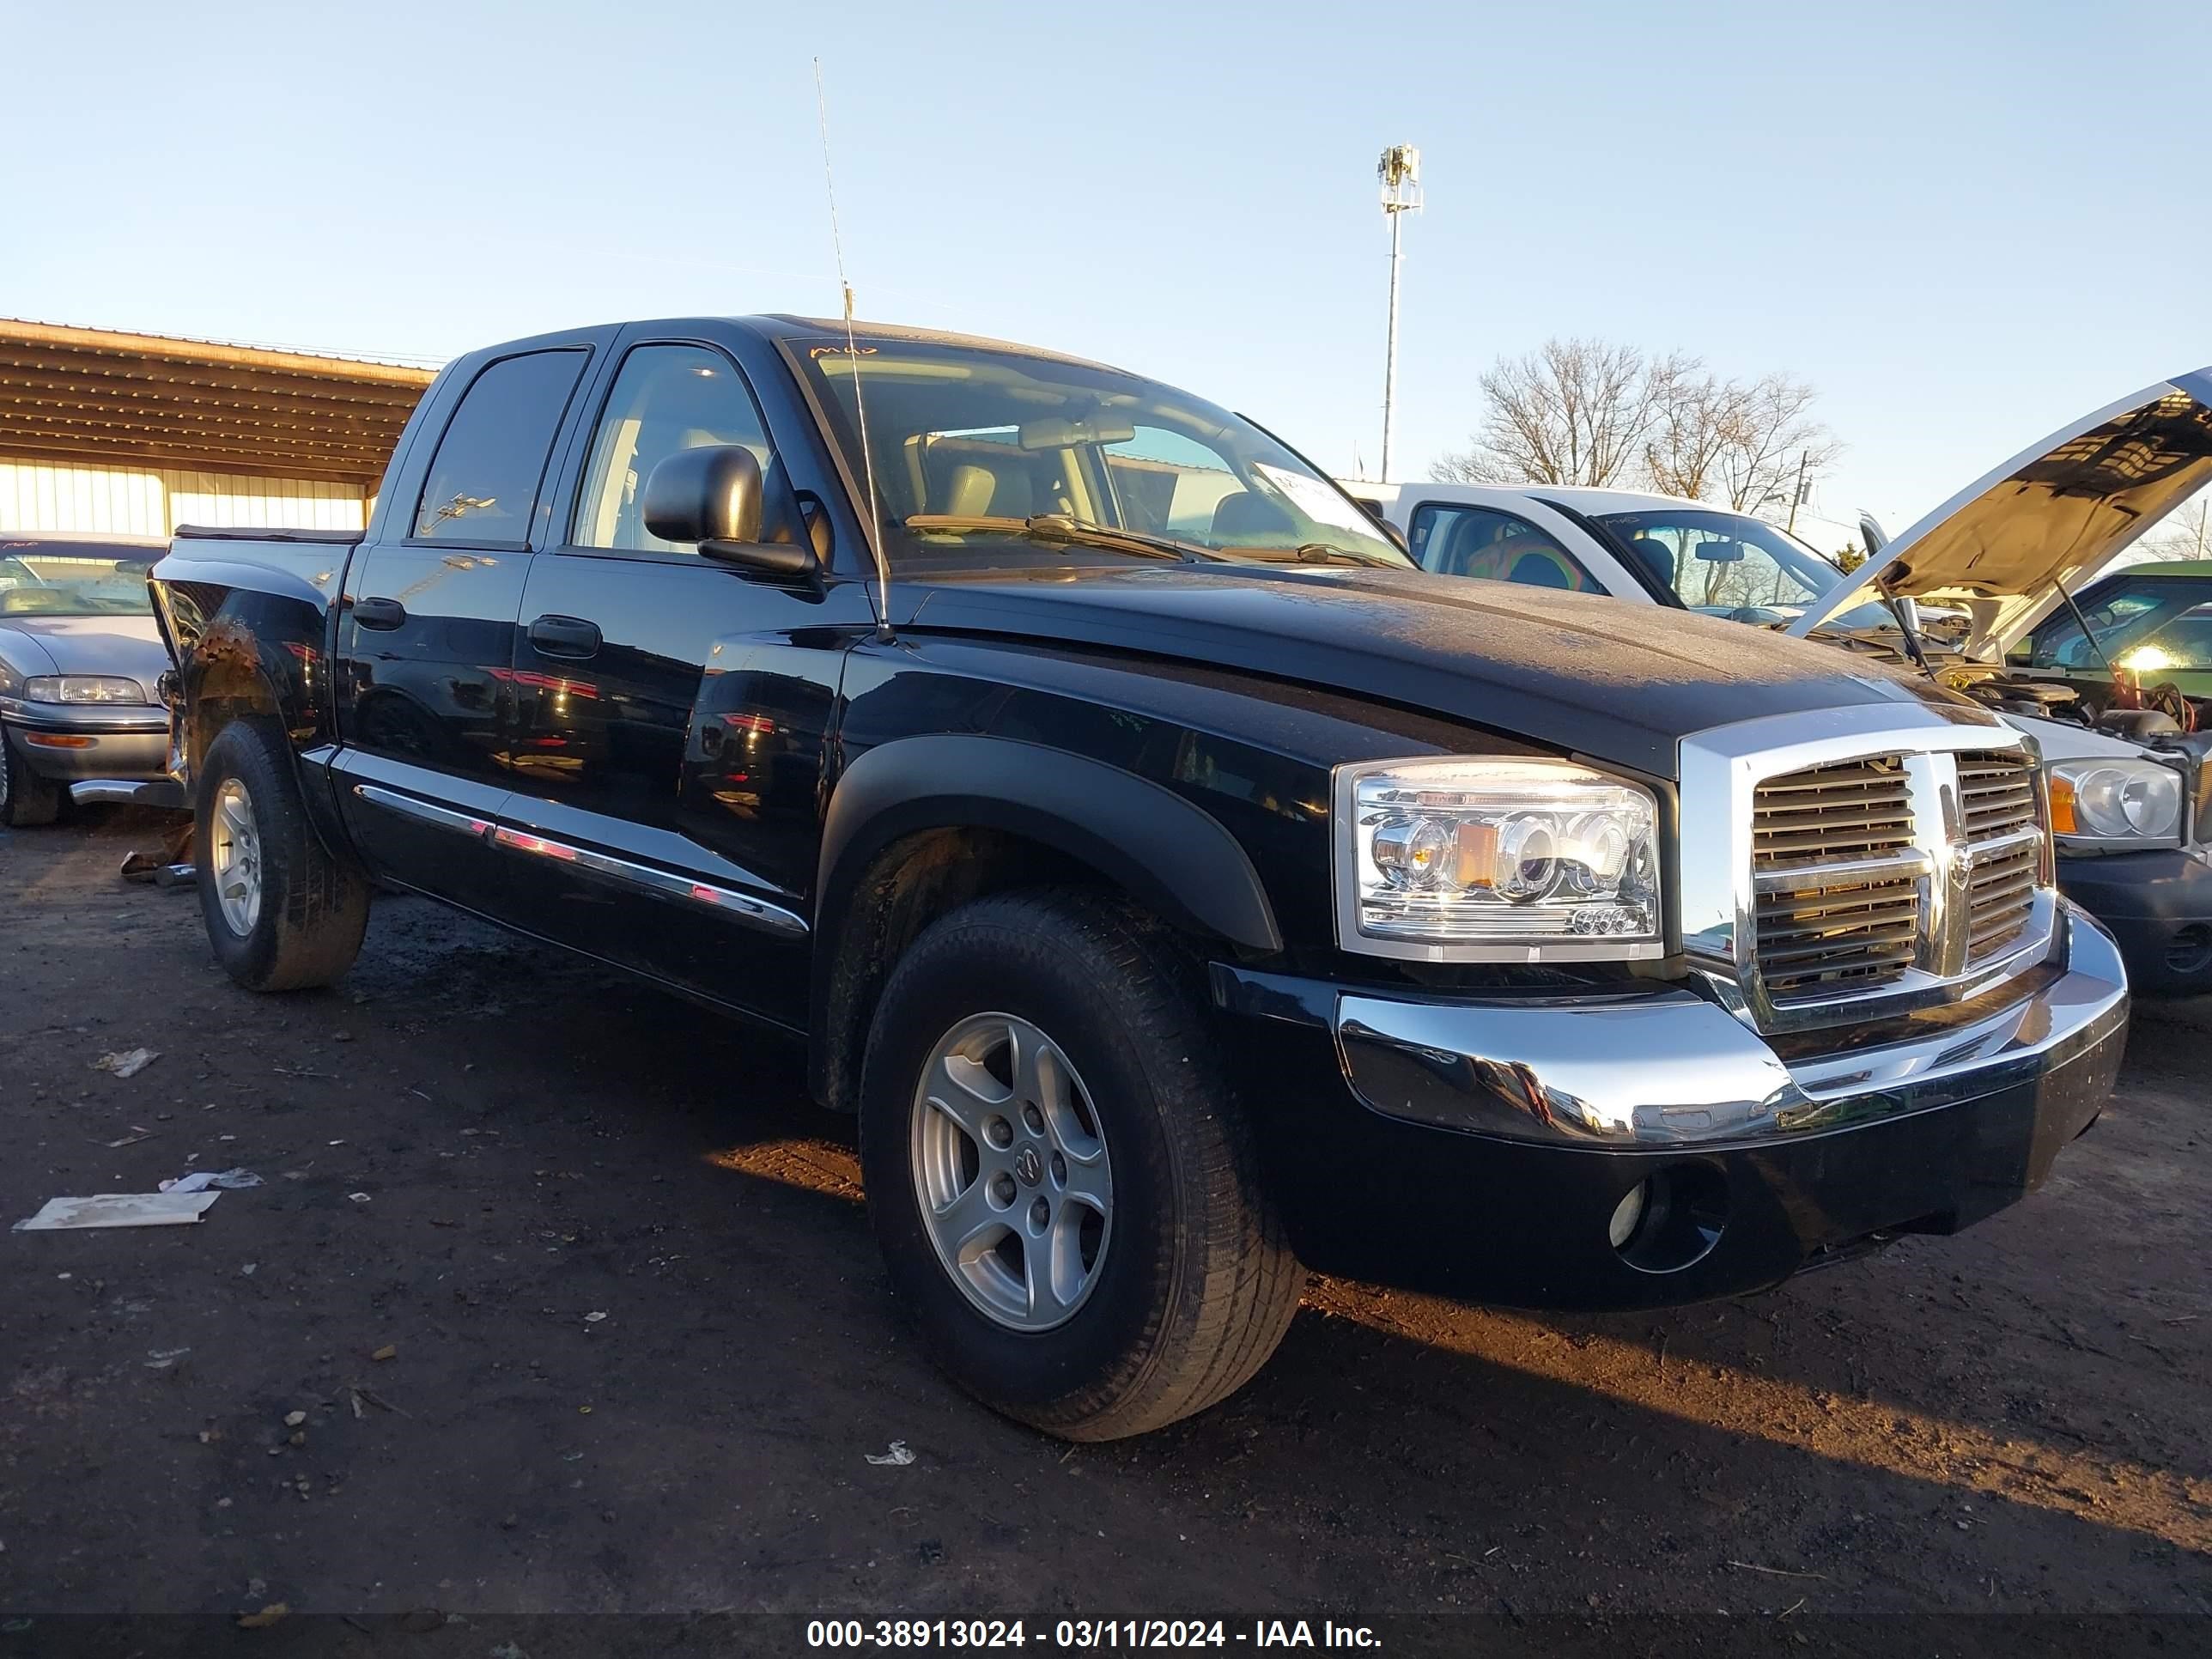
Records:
x=741, y=908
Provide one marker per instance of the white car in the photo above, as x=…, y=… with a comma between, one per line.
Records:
x=2131, y=789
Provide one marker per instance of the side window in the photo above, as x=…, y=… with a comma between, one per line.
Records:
x=484, y=481
x=666, y=399
x=1479, y=541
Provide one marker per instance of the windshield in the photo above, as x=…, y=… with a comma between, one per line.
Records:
x=1725, y=564
x=48, y=584
x=969, y=433
x=2148, y=625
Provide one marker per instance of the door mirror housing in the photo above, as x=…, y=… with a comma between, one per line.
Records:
x=711, y=495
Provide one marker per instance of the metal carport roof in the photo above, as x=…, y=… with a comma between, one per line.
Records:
x=92, y=396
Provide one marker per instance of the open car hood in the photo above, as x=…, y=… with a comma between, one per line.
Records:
x=2059, y=512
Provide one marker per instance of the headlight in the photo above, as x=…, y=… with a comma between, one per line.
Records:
x=2124, y=800
x=1495, y=860
x=83, y=688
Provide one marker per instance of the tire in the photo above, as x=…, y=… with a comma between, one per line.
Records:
x=1192, y=1285
x=27, y=799
x=304, y=925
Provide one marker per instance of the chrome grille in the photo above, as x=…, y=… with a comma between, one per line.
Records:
x=1861, y=860
x=1997, y=812
x=1839, y=884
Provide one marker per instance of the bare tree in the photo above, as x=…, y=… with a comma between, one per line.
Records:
x=2186, y=535
x=1580, y=412
x=1770, y=432
x=1574, y=412
x=1689, y=432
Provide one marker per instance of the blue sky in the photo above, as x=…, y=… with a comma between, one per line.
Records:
x=1965, y=224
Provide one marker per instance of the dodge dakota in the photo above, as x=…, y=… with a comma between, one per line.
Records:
x=1183, y=887
x=1995, y=582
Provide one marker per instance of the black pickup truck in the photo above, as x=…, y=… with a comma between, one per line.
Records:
x=1181, y=885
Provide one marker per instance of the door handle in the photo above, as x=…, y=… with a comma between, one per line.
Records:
x=564, y=636
x=379, y=613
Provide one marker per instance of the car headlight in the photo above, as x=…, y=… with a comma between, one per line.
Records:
x=1495, y=860
x=2135, y=801
x=83, y=688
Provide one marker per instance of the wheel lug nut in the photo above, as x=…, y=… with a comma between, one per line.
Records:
x=1040, y=1214
x=1034, y=1118
x=1058, y=1170
x=999, y=1132
x=1002, y=1189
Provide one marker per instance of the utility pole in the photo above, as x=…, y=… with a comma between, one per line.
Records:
x=1399, y=172
x=1797, y=496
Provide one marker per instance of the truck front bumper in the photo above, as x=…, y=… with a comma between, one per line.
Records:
x=2158, y=906
x=1649, y=1148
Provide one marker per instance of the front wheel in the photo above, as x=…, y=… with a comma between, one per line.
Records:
x=1063, y=1185
x=25, y=797
x=282, y=913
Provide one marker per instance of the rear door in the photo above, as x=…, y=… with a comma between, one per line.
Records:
x=425, y=633
x=672, y=710
x=1463, y=539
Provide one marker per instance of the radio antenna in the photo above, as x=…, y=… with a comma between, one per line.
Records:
x=853, y=352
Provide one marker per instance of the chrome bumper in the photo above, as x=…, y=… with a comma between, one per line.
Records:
x=1669, y=1068
x=141, y=791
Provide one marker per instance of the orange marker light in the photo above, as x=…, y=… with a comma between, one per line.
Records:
x=1476, y=863
x=2061, y=805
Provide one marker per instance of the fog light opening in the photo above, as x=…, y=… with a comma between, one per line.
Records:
x=1672, y=1220
x=1627, y=1214
x=2190, y=953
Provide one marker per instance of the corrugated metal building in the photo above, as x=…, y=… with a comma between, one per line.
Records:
x=132, y=435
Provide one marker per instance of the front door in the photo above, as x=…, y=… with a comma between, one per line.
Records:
x=670, y=712
x=425, y=637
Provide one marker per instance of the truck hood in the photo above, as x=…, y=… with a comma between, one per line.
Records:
x=128, y=645
x=1581, y=673
x=2058, y=513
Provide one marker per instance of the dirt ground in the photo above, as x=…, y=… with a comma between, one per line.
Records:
x=575, y=1293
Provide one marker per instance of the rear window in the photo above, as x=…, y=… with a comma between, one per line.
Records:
x=483, y=482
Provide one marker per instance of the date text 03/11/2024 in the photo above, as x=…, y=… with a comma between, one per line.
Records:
x=1084, y=1634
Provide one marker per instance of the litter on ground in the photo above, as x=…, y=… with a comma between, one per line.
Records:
x=897, y=1457
x=200, y=1180
x=118, y=1210
x=127, y=1062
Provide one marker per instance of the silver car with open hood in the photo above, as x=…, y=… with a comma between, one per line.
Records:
x=2129, y=758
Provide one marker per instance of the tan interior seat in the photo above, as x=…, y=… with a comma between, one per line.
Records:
x=971, y=488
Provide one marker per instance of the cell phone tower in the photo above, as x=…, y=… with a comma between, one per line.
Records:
x=1399, y=172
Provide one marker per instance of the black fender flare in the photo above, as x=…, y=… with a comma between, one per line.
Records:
x=1170, y=855
x=1174, y=858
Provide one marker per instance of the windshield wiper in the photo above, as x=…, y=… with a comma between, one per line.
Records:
x=1059, y=527
x=1310, y=553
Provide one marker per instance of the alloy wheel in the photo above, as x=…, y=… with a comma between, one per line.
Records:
x=235, y=853
x=1011, y=1171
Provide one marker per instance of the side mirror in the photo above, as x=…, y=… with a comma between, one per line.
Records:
x=711, y=495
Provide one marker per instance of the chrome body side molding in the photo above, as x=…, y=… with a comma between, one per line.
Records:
x=727, y=902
